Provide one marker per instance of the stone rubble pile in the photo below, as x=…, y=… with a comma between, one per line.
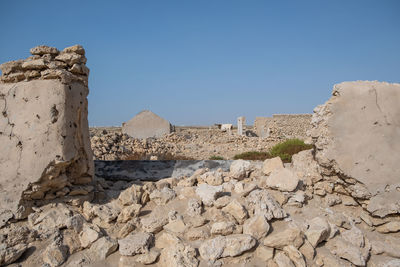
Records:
x=48, y=63
x=199, y=144
x=213, y=218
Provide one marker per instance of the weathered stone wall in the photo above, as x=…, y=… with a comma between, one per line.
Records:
x=44, y=135
x=283, y=126
x=356, y=134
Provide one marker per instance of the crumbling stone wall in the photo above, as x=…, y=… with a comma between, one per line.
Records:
x=44, y=135
x=356, y=134
x=283, y=126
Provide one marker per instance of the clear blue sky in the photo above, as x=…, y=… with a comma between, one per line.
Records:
x=205, y=62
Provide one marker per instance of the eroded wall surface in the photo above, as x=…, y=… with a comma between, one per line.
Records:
x=44, y=133
x=283, y=126
x=356, y=134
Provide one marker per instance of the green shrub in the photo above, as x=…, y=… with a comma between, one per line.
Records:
x=288, y=148
x=253, y=155
x=216, y=158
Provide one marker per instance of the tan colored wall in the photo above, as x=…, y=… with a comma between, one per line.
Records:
x=44, y=133
x=283, y=126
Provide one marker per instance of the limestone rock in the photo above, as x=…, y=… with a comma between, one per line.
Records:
x=194, y=207
x=264, y=204
x=270, y=165
x=180, y=255
x=147, y=258
x=103, y=247
x=306, y=168
x=78, y=49
x=37, y=64
x=71, y=58
x=226, y=246
x=154, y=222
x=5, y=215
x=236, y=210
x=161, y=197
x=295, y=256
x=44, y=49
x=132, y=195
x=223, y=228
x=51, y=217
x=222, y=202
x=11, y=254
x=11, y=66
x=197, y=234
x=208, y=193
x=390, y=227
x=166, y=240
x=55, y=255
x=344, y=249
x=264, y=253
x=282, y=260
x=240, y=169
x=283, y=238
x=89, y=234
x=126, y=229
x=176, y=226
x=75, y=222
x=318, y=231
x=307, y=250
x=135, y=243
x=257, y=226
x=283, y=179
x=129, y=212
x=212, y=178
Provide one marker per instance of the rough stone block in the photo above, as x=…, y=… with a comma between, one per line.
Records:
x=44, y=141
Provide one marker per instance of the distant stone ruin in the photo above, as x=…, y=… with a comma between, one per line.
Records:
x=44, y=135
x=241, y=124
x=283, y=126
x=147, y=124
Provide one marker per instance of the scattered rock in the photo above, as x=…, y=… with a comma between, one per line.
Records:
x=11, y=254
x=264, y=253
x=283, y=238
x=240, y=169
x=295, y=255
x=161, y=197
x=135, y=243
x=226, y=246
x=270, y=165
x=257, y=226
x=282, y=260
x=194, y=207
x=283, y=179
x=180, y=255
x=318, y=231
x=344, y=249
x=223, y=228
x=55, y=254
x=265, y=205
x=390, y=227
x=236, y=210
x=208, y=193
x=147, y=258
x=103, y=247
x=89, y=234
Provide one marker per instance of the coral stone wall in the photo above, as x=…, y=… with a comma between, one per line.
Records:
x=44, y=135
